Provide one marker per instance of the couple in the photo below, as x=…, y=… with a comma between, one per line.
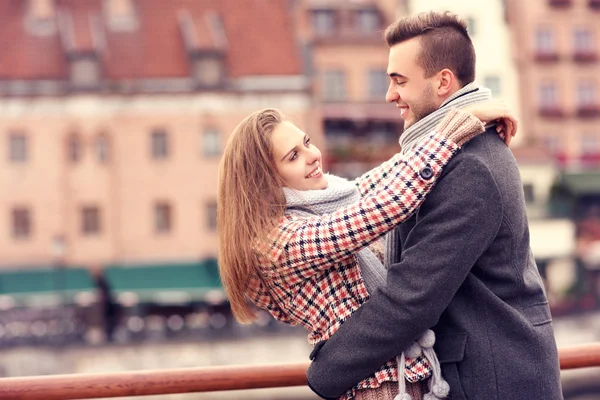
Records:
x=460, y=312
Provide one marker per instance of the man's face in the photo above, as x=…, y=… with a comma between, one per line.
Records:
x=413, y=94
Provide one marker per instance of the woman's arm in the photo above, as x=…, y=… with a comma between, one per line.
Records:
x=302, y=247
x=260, y=296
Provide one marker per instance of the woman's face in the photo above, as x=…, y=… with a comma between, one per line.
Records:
x=298, y=161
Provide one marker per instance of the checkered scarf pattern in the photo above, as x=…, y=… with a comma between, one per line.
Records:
x=309, y=274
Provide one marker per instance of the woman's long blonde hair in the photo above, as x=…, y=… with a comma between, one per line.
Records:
x=249, y=204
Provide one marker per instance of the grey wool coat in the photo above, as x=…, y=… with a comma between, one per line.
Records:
x=464, y=268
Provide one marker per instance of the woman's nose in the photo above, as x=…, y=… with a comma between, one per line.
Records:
x=313, y=155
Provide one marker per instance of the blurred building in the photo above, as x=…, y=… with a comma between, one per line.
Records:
x=346, y=59
x=113, y=116
x=556, y=45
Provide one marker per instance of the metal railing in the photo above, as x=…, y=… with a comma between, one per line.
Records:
x=208, y=379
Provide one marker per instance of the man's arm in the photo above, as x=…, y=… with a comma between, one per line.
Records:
x=455, y=225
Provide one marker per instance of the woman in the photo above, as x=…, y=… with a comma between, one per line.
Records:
x=298, y=242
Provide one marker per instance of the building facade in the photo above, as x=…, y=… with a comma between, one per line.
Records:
x=113, y=117
x=556, y=46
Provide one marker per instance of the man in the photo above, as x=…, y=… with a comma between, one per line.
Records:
x=461, y=265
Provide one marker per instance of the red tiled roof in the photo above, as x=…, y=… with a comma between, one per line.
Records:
x=81, y=14
x=24, y=56
x=259, y=39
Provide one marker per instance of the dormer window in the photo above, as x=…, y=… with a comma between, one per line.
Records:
x=323, y=22
x=84, y=71
x=206, y=60
x=207, y=69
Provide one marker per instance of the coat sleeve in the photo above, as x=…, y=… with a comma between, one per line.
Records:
x=303, y=247
x=455, y=225
x=369, y=181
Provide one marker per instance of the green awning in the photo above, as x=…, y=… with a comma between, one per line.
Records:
x=45, y=287
x=177, y=283
x=580, y=183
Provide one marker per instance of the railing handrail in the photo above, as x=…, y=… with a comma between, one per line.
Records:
x=206, y=379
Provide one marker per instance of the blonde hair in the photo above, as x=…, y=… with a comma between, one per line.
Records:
x=250, y=202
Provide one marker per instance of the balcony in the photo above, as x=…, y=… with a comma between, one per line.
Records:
x=588, y=111
x=560, y=3
x=552, y=111
x=545, y=56
x=195, y=380
x=587, y=56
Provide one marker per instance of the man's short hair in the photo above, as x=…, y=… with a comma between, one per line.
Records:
x=445, y=43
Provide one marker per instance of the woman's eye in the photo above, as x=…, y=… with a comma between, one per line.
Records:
x=294, y=156
x=307, y=142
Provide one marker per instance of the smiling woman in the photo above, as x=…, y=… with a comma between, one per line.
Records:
x=298, y=161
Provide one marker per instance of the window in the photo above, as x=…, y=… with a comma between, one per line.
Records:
x=334, y=85
x=493, y=83
x=90, y=220
x=544, y=41
x=323, y=22
x=160, y=144
x=529, y=193
x=378, y=83
x=74, y=148
x=471, y=26
x=211, y=142
x=586, y=93
x=211, y=216
x=552, y=143
x=548, y=95
x=383, y=133
x=21, y=223
x=162, y=217
x=207, y=71
x=367, y=21
x=85, y=71
x=583, y=41
x=590, y=143
x=101, y=148
x=17, y=148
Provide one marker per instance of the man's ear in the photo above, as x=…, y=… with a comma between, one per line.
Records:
x=447, y=83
